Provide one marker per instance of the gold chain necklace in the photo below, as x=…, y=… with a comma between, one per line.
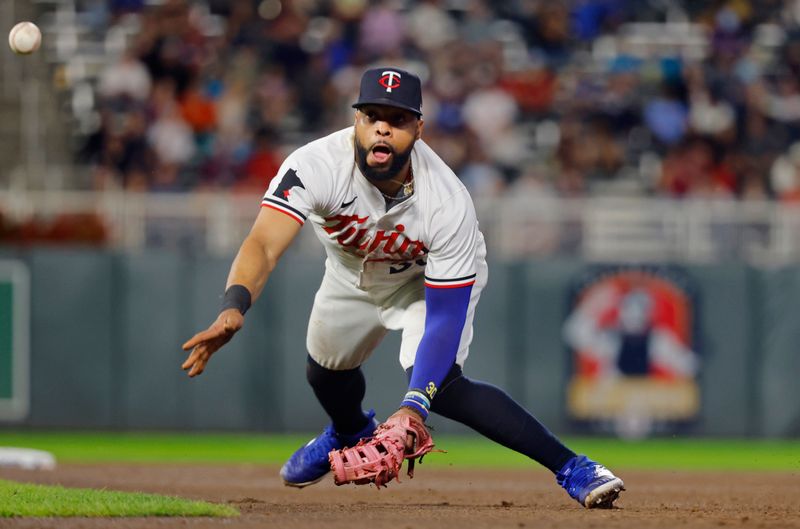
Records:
x=408, y=187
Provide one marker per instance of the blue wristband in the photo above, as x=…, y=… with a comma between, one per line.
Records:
x=417, y=400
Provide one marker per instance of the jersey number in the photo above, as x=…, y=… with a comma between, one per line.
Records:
x=402, y=267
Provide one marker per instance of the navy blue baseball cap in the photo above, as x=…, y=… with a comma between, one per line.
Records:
x=392, y=87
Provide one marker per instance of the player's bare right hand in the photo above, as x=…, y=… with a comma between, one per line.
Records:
x=206, y=343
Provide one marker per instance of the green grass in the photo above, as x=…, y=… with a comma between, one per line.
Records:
x=463, y=451
x=18, y=499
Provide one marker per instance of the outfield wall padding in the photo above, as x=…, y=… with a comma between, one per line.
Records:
x=106, y=330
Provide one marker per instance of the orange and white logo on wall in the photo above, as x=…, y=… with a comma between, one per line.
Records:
x=630, y=334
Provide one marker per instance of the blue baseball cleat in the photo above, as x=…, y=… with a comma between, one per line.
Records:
x=310, y=463
x=590, y=483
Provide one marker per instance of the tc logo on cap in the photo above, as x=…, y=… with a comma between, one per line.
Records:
x=389, y=80
x=387, y=85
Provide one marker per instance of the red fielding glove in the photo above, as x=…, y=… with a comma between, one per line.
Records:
x=379, y=459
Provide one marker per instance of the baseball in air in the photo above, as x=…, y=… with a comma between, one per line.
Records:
x=25, y=38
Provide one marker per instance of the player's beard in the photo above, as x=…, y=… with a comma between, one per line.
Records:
x=399, y=159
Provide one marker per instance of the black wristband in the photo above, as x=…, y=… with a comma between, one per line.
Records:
x=236, y=297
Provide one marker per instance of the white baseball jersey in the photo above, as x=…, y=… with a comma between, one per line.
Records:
x=434, y=232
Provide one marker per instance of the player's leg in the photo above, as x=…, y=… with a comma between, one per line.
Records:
x=344, y=329
x=493, y=413
x=340, y=393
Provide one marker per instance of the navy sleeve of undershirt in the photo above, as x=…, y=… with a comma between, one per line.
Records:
x=445, y=315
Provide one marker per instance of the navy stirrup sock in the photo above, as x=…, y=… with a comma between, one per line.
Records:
x=493, y=413
x=340, y=393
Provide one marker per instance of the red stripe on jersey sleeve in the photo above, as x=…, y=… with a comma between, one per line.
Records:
x=455, y=285
x=270, y=206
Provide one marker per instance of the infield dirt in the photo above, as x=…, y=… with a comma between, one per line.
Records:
x=435, y=498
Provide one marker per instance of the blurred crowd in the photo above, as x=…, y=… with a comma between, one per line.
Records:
x=571, y=98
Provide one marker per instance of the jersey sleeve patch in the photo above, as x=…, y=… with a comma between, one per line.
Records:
x=450, y=283
x=289, y=180
x=279, y=199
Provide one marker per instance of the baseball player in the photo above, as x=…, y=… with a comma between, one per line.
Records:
x=403, y=253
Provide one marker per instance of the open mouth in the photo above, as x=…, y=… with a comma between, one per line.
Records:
x=381, y=153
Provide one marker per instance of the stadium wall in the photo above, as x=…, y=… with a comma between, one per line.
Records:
x=106, y=330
